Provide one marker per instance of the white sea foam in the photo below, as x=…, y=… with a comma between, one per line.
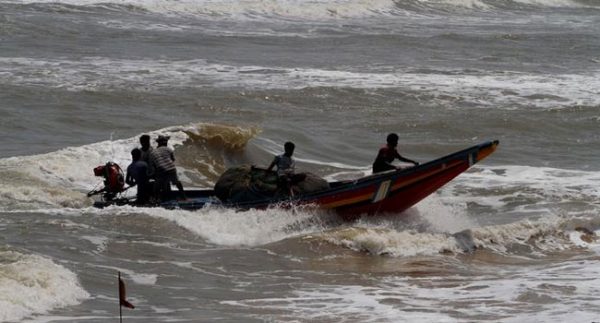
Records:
x=527, y=188
x=245, y=228
x=31, y=284
x=473, y=4
x=444, y=217
x=505, y=89
x=483, y=4
x=99, y=241
x=144, y=279
x=554, y=3
x=250, y=9
x=551, y=293
x=304, y=9
x=548, y=234
x=136, y=277
x=231, y=227
x=381, y=241
x=330, y=303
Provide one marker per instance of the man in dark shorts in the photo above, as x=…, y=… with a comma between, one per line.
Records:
x=162, y=161
x=387, y=154
x=137, y=175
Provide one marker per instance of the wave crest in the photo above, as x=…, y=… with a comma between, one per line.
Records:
x=33, y=284
x=523, y=238
x=61, y=178
x=314, y=9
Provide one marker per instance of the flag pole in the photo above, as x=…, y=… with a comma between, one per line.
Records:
x=120, y=308
x=122, y=298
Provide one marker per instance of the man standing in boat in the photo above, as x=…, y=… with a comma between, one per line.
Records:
x=286, y=167
x=387, y=154
x=162, y=161
x=137, y=175
x=145, y=148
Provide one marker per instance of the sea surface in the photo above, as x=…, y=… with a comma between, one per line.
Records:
x=514, y=239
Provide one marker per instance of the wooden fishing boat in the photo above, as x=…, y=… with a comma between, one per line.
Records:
x=387, y=192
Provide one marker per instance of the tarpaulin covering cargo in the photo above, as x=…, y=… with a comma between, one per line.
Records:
x=248, y=183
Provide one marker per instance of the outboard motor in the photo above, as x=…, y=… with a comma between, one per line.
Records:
x=114, y=181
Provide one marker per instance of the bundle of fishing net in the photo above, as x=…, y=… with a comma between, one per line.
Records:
x=247, y=183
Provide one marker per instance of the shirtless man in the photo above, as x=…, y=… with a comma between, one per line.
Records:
x=387, y=154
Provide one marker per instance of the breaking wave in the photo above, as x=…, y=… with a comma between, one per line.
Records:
x=312, y=10
x=530, y=238
x=32, y=284
x=481, y=88
x=61, y=178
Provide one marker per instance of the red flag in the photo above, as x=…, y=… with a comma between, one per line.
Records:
x=122, y=300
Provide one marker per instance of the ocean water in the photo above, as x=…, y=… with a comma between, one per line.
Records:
x=514, y=239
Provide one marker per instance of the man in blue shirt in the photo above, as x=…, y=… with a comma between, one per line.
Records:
x=137, y=175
